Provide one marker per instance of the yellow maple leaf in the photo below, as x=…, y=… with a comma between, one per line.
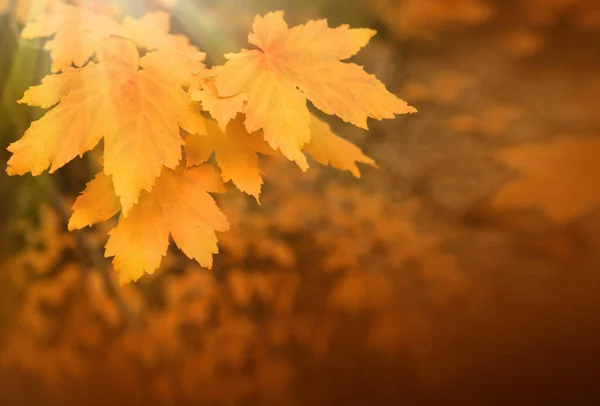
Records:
x=235, y=152
x=77, y=31
x=96, y=204
x=328, y=149
x=137, y=112
x=178, y=205
x=172, y=54
x=555, y=177
x=302, y=63
x=222, y=109
x=149, y=30
x=177, y=57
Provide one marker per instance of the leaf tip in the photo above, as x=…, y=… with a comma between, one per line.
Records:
x=73, y=225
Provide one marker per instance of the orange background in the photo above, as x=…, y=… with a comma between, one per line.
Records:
x=465, y=270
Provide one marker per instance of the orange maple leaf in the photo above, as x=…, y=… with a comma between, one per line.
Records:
x=329, y=149
x=235, y=152
x=148, y=31
x=96, y=204
x=78, y=32
x=178, y=205
x=137, y=112
x=138, y=105
x=222, y=109
x=302, y=63
x=172, y=54
x=177, y=57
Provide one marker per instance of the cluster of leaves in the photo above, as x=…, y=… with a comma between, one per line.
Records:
x=356, y=235
x=161, y=114
x=309, y=286
x=65, y=323
x=235, y=334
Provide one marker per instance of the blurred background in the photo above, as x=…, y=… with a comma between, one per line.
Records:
x=464, y=271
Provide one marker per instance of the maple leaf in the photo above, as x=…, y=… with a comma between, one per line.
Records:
x=235, y=151
x=176, y=57
x=148, y=31
x=137, y=112
x=178, y=205
x=222, y=109
x=78, y=32
x=554, y=178
x=172, y=54
x=328, y=149
x=302, y=63
x=96, y=204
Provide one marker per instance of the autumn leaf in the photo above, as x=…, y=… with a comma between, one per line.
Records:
x=78, y=32
x=328, y=149
x=554, y=177
x=137, y=112
x=96, y=204
x=293, y=65
x=172, y=54
x=148, y=31
x=235, y=152
x=178, y=205
x=175, y=56
x=138, y=105
x=222, y=109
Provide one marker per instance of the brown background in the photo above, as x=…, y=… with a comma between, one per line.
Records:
x=465, y=270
